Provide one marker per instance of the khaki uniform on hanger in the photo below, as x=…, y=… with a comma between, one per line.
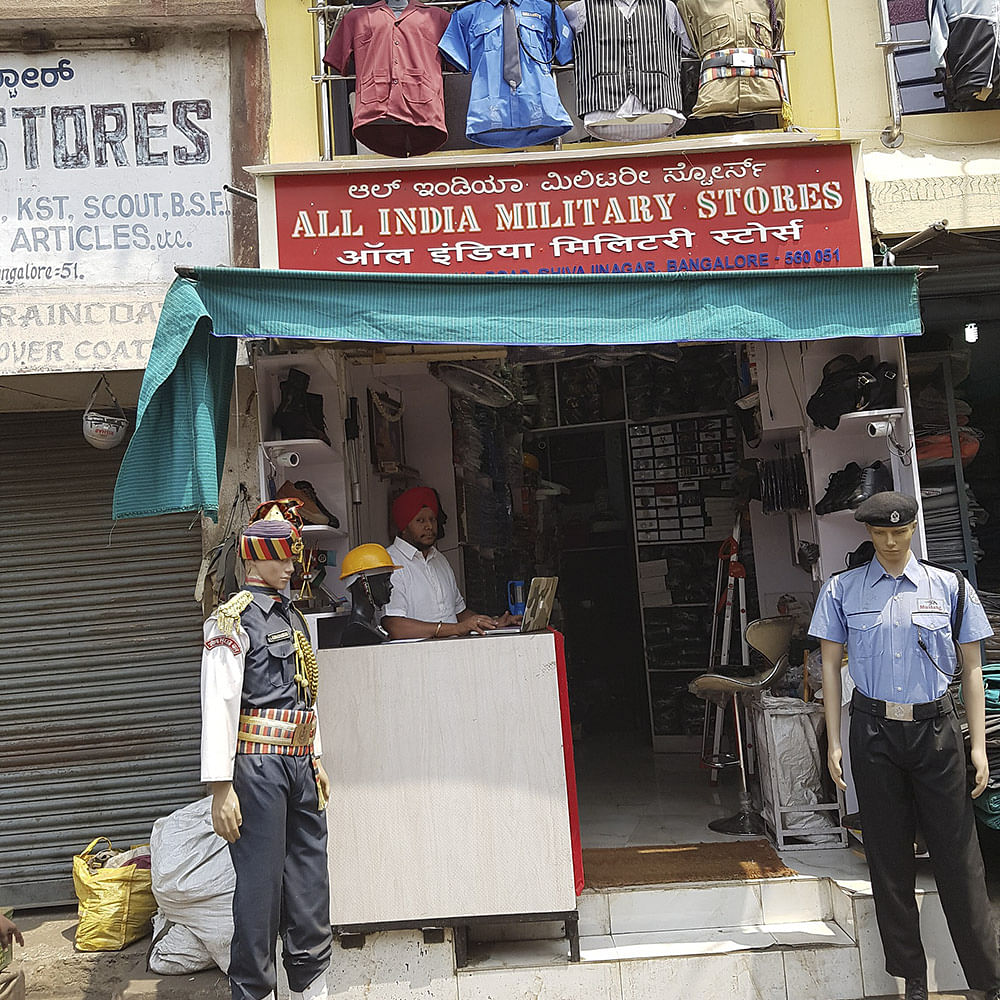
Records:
x=724, y=24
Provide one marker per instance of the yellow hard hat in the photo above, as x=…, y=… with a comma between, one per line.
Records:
x=367, y=558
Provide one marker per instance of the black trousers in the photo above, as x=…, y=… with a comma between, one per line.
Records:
x=282, y=881
x=914, y=772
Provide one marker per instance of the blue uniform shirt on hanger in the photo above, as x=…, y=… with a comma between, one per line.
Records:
x=500, y=115
x=879, y=618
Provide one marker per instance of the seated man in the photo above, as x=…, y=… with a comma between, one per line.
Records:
x=425, y=601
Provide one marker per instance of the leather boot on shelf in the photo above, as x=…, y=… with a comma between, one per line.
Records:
x=875, y=478
x=314, y=409
x=839, y=487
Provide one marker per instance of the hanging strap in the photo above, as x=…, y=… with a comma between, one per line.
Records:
x=107, y=387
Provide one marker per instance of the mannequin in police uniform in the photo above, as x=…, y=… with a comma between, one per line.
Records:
x=895, y=615
x=260, y=753
x=366, y=573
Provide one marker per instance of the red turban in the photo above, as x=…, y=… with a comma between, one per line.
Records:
x=407, y=505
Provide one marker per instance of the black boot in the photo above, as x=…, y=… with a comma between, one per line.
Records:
x=916, y=989
x=840, y=486
x=876, y=478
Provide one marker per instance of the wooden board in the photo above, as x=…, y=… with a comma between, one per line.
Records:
x=448, y=780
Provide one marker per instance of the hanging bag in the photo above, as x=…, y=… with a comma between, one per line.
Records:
x=115, y=904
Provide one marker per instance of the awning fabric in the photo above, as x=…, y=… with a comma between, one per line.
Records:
x=562, y=309
x=175, y=458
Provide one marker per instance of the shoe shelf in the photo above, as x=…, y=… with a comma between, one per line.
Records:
x=296, y=444
x=895, y=412
x=321, y=536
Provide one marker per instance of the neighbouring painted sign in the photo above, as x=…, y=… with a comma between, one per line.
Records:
x=111, y=172
x=774, y=207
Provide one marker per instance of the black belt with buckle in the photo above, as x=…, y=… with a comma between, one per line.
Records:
x=901, y=711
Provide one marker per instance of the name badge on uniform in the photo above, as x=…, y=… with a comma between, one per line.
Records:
x=278, y=636
x=929, y=604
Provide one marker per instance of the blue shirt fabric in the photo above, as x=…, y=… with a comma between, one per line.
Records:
x=880, y=619
x=499, y=115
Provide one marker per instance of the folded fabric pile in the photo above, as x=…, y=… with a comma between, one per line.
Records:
x=942, y=524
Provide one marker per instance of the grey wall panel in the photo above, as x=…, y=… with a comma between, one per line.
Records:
x=99, y=659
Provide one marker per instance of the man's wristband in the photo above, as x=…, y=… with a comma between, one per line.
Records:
x=438, y=629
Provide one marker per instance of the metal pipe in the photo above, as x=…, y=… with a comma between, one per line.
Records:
x=922, y=237
x=892, y=135
x=325, y=108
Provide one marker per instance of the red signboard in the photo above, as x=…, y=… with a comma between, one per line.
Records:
x=774, y=207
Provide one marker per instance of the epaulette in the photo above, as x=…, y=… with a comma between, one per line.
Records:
x=227, y=616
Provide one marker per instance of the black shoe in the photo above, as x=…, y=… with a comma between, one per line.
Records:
x=916, y=989
x=876, y=478
x=839, y=487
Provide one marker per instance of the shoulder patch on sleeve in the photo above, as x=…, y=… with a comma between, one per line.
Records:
x=223, y=640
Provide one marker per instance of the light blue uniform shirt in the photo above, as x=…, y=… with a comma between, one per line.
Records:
x=880, y=619
x=499, y=116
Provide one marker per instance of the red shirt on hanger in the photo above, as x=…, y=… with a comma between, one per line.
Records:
x=399, y=102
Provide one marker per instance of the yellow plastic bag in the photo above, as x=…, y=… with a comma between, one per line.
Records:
x=116, y=904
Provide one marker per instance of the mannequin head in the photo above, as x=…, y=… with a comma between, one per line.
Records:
x=372, y=589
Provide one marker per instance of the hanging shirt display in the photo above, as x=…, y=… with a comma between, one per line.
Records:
x=627, y=56
x=399, y=109
x=735, y=38
x=965, y=36
x=514, y=101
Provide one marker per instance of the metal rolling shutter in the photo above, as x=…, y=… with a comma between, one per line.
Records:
x=100, y=646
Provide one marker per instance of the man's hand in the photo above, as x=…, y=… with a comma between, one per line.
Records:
x=8, y=930
x=226, y=815
x=982, y=767
x=507, y=619
x=480, y=624
x=833, y=759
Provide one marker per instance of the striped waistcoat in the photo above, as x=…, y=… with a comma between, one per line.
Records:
x=616, y=56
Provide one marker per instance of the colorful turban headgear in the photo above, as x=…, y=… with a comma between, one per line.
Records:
x=274, y=531
x=407, y=505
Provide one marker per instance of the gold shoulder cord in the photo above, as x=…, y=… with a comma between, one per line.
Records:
x=306, y=668
x=227, y=616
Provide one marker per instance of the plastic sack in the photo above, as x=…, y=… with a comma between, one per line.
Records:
x=115, y=904
x=193, y=882
x=175, y=951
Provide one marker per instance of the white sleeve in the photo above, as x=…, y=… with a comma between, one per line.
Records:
x=576, y=15
x=222, y=659
x=399, y=604
x=456, y=594
x=937, y=17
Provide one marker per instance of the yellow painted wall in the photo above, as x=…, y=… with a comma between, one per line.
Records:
x=810, y=71
x=291, y=37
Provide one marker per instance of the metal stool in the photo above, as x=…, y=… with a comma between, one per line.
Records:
x=771, y=637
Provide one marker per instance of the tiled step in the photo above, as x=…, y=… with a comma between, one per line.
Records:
x=660, y=944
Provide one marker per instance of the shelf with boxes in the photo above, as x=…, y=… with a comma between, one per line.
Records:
x=679, y=468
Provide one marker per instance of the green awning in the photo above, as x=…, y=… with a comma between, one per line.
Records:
x=562, y=309
x=175, y=458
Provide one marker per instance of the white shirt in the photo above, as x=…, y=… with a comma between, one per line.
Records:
x=422, y=589
x=221, y=691
x=632, y=122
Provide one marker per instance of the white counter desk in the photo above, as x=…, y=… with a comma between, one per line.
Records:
x=453, y=796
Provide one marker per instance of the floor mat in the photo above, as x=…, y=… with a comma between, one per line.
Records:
x=606, y=867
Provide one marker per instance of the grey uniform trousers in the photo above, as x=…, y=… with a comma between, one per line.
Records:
x=282, y=881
